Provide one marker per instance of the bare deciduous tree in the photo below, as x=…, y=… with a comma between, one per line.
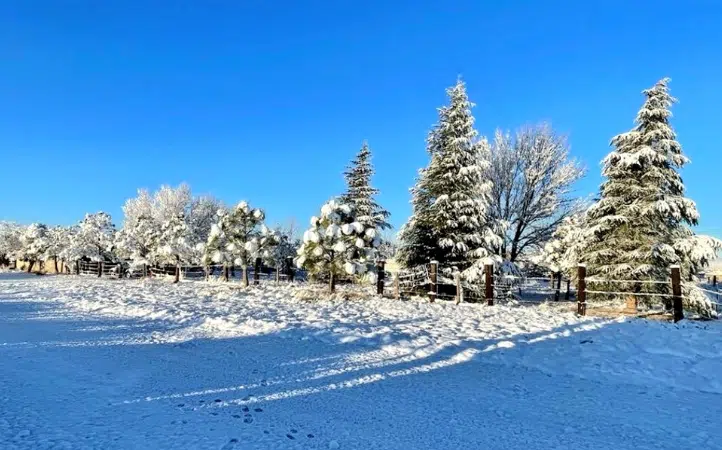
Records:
x=532, y=174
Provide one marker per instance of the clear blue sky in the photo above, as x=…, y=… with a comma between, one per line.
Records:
x=268, y=100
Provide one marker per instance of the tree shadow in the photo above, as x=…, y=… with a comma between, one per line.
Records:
x=161, y=384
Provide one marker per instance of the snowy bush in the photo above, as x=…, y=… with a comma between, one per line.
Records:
x=337, y=244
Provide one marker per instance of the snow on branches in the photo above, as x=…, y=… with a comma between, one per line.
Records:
x=238, y=238
x=337, y=243
x=451, y=221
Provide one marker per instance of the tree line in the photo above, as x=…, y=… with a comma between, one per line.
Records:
x=507, y=199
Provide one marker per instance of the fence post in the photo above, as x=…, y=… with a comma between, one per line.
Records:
x=289, y=267
x=489, y=284
x=257, y=271
x=100, y=269
x=77, y=267
x=569, y=285
x=582, y=290
x=397, y=286
x=278, y=273
x=434, y=268
x=677, y=294
x=714, y=280
x=459, y=288
x=244, y=275
x=557, y=290
x=380, y=275
x=225, y=272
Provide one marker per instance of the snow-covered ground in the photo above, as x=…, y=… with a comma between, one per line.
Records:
x=108, y=364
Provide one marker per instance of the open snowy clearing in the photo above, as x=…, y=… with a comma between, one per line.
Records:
x=110, y=364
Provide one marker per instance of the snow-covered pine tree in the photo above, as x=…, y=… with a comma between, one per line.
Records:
x=337, y=243
x=360, y=195
x=236, y=238
x=418, y=238
x=451, y=199
x=640, y=224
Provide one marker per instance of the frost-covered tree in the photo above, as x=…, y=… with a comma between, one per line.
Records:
x=360, y=195
x=202, y=214
x=640, y=224
x=337, y=243
x=75, y=247
x=95, y=237
x=235, y=239
x=138, y=241
x=532, y=176
x=170, y=203
x=57, y=242
x=562, y=253
x=451, y=221
x=10, y=243
x=174, y=245
x=34, y=241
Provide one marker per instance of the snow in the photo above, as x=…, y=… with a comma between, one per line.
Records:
x=117, y=364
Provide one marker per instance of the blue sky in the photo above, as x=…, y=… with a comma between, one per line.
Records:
x=268, y=101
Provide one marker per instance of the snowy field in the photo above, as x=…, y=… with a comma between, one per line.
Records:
x=107, y=364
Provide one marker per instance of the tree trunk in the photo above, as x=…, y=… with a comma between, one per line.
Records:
x=30, y=266
x=225, y=272
x=177, y=273
x=55, y=261
x=278, y=273
x=332, y=282
x=100, y=269
x=233, y=271
x=77, y=267
x=244, y=274
x=257, y=271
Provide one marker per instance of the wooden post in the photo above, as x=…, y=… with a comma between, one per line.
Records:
x=489, y=284
x=226, y=269
x=332, y=282
x=145, y=270
x=459, y=288
x=100, y=269
x=397, y=287
x=433, y=276
x=289, y=267
x=677, y=294
x=557, y=290
x=77, y=267
x=177, y=273
x=257, y=271
x=582, y=290
x=244, y=275
x=278, y=273
x=569, y=286
x=714, y=280
x=380, y=276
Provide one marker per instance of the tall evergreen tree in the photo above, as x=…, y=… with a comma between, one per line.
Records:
x=451, y=197
x=360, y=195
x=640, y=224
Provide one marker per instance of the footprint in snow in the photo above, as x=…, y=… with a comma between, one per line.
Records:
x=230, y=445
